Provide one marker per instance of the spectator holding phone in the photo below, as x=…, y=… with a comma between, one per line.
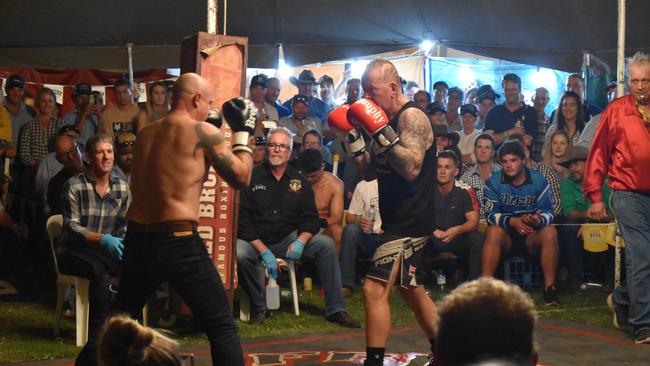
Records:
x=85, y=115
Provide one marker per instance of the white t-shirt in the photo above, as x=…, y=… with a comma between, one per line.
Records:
x=466, y=143
x=365, y=199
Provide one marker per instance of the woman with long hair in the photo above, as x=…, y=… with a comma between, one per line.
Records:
x=556, y=150
x=570, y=117
x=156, y=106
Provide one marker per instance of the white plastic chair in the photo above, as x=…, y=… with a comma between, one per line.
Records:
x=244, y=301
x=81, y=285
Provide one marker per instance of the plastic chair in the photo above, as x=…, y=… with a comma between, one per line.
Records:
x=244, y=301
x=81, y=285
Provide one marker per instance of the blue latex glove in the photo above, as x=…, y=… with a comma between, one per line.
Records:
x=114, y=245
x=295, y=250
x=271, y=263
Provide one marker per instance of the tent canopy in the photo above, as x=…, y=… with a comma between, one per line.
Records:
x=94, y=34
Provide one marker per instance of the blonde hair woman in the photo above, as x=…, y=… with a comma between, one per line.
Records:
x=125, y=342
x=555, y=150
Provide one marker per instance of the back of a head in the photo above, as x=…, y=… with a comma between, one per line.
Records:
x=125, y=342
x=186, y=86
x=499, y=317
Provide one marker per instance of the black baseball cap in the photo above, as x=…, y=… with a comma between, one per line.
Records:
x=260, y=80
x=469, y=108
x=15, y=81
x=435, y=107
x=486, y=92
x=325, y=79
x=300, y=99
x=82, y=88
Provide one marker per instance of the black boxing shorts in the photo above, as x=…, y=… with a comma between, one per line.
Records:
x=403, y=251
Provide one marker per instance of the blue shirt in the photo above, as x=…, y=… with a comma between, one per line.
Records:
x=503, y=200
x=500, y=119
x=317, y=108
x=282, y=111
x=89, y=128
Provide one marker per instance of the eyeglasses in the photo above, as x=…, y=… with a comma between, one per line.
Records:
x=281, y=147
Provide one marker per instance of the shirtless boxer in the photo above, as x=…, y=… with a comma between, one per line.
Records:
x=328, y=193
x=402, y=158
x=170, y=164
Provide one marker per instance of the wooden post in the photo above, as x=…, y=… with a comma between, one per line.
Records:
x=222, y=61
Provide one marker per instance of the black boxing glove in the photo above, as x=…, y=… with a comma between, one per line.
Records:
x=241, y=115
x=215, y=118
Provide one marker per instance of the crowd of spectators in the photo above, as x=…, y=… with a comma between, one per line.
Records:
x=509, y=166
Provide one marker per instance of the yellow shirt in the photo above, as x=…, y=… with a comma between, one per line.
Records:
x=5, y=124
x=115, y=121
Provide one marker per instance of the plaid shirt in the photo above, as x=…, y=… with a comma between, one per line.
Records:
x=554, y=181
x=537, y=150
x=36, y=141
x=85, y=212
x=472, y=177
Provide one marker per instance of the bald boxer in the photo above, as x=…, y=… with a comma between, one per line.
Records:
x=170, y=164
x=402, y=157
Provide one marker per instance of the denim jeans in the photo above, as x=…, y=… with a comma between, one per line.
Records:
x=355, y=243
x=632, y=211
x=153, y=257
x=320, y=249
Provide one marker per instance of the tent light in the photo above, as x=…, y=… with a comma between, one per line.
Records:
x=426, y=45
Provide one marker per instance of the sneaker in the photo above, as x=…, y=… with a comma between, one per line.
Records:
x=344, y=319
x=550, y=296
x=257, y=318
x=621, y=314
x=642, y=335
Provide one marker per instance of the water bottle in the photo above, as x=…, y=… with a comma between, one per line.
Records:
x=371, y=215
x=272, y=295
x=441, y=280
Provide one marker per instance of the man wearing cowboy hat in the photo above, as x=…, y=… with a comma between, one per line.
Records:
x=305, y=83
x=444, y=138
x=574, y=207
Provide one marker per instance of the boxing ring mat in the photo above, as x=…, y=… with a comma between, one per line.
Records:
x=222, y=61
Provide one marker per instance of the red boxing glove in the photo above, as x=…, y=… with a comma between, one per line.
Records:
x=373, y=120
x=338, y=120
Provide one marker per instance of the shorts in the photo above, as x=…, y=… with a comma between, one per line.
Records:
x=406, y=252
x=517, y=244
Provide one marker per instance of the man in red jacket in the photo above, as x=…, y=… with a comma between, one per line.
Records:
x=621, y=149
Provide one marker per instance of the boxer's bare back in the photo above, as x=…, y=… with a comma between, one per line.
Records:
x=172, y=157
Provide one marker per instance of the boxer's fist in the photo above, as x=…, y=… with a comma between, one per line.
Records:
x=367, y=115
x=215, y=117
x=240, y=114
x=338, y=120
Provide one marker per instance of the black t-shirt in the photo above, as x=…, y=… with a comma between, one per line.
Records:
x=451, y=208
x=407, y=207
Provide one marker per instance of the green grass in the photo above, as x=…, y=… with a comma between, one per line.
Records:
x=26, y=327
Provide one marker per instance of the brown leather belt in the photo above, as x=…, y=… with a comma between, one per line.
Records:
x=172, y=227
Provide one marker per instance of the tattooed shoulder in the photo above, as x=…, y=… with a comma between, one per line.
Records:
x=222, y=161
x=414, y=125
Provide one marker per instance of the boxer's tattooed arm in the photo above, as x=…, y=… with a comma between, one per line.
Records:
x=416, y=137
x=222, y=161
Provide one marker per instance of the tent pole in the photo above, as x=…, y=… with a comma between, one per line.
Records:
x=620, y=55
x=212, y=16
x=129, y=51
x=585, y=74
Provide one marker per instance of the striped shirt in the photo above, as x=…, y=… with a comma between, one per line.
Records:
x=37, y=141
x=84, y=211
